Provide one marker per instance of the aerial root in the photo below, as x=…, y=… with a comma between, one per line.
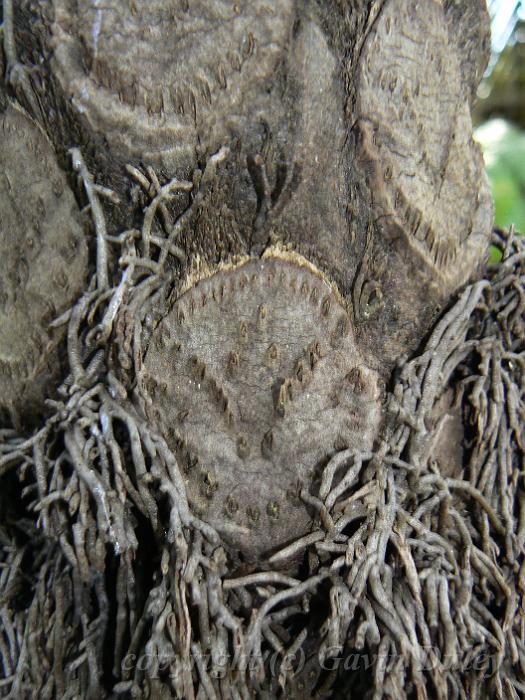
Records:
x=415, y=569
x=92, y=192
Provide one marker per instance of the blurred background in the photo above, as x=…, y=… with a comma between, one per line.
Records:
x=499, y=115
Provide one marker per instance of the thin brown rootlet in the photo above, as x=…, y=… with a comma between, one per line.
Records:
x=107, y=573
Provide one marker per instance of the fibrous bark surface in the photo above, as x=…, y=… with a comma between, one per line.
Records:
x=255, y=380
x=43, y=254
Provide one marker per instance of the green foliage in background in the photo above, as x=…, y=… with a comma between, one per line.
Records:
x=504, y=151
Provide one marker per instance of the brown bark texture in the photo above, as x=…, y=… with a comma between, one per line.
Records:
x=261, y=396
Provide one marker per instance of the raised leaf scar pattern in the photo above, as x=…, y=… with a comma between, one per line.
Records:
x=426, y=172
x=150, y=75
x=255, y=380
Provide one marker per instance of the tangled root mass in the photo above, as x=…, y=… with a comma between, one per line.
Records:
x=406, y=579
